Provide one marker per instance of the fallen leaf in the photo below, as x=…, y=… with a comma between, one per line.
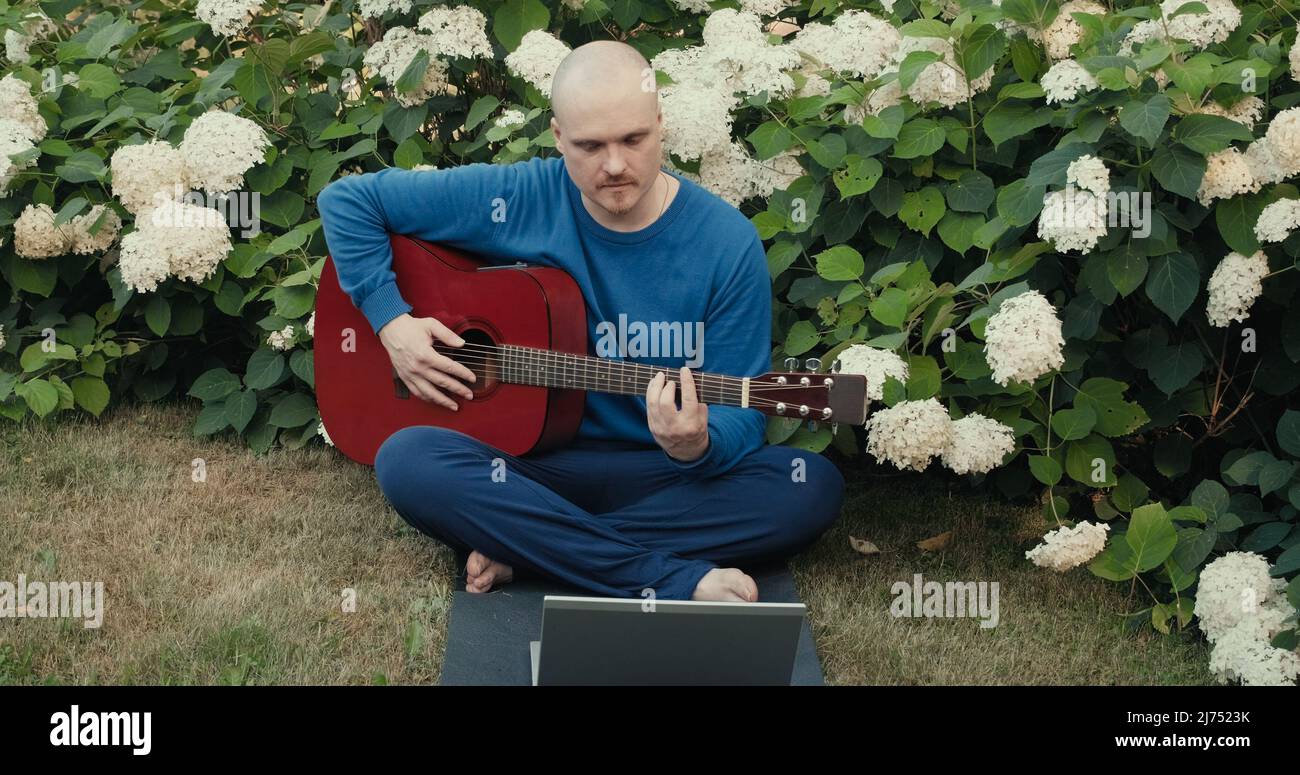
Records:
x=935, y=544
x=863, y=546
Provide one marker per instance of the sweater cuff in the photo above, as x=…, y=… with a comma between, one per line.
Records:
x=384, y=304
x=700, y=465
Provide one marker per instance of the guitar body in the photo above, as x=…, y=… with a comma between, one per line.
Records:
x=361, y=400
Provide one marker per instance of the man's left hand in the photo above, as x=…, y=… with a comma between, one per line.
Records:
x=683, y=433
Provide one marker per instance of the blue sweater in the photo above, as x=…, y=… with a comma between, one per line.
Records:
x=701, y=262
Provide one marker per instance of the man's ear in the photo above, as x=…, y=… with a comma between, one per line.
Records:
x=555, y=130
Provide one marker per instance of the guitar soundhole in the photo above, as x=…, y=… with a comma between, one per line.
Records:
x=477, y=358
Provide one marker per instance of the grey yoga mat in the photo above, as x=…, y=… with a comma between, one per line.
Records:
x=488, y=634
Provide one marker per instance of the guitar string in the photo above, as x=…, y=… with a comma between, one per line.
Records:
x=530, y=358
x=548, y=358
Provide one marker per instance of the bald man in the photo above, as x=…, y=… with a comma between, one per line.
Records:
x=650, y=498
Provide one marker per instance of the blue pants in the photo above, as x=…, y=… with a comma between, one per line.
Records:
x=609, y=517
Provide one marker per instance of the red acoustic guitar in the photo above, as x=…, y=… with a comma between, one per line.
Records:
x=525, y=331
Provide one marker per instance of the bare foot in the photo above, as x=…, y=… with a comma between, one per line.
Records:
x=481, y=572
x=726, y=584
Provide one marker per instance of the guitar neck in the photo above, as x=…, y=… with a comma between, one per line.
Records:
x=548, y=368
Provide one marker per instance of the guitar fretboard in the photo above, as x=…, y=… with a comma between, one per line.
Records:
x=547, y=368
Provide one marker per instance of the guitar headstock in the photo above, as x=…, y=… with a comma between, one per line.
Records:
x=811, y=395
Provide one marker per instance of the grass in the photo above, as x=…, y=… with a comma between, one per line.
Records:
x=242, y=578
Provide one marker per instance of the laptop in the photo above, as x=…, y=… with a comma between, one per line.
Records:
x=601, y=641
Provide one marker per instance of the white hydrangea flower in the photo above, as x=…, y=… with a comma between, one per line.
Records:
x=909, y=434
x=36, y=26
x=391, y=56
x=979, y=444
x=1065, y=30
x=219, y=147
x=1221, y=17
x=147, y=169
x=886, y=96
x=19, y=106
x=320, y=431
x=737, y=53
x=227, y=17
x=944, y=81
x=1089, y=173
x=732, y=174
x=282, y=339
x=1245, y=111
x=2, y=337
x=85, y=243
x=1226, y=175
x=311, y=325
x=538, y=56
x=1066, y=548
x=693, y=6
x=375, y=9
x=459, y=32
x=1283, y=138
x=766, y=7
x=1023, y=340
x=1065, y=80
x=1073, y=219
x=1277, y=220
x=1241, y=655
x=510, y=117
x=856, y=42
x=14, y=139
x=173, y=238
x=1263, y=163
x=1231, y=589
x=697, y=118
x=1233, y=287
x=36, y=236
x=814, y=85
x=1293, y=57
x=875, y=364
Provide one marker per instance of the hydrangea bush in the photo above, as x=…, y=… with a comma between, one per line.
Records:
x=1058, y=237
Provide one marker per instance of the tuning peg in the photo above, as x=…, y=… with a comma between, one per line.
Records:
x=812, y=426
x=835, y=366
x=812, y=364
x=835, y=427
x=791, y=364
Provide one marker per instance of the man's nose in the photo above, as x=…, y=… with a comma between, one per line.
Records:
x=614, y=163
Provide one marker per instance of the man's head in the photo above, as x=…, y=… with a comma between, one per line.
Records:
x=607, y=123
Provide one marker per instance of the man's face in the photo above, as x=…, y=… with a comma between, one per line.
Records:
x=613, y=152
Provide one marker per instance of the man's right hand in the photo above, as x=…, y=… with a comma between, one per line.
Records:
x=409, y=341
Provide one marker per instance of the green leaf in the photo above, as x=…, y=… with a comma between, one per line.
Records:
x=840, y=263
x=515, y=18
x=919, y=137
x=979, y=48
x=886, y=124
x=1126, y=267
x=158, y=315
x=293, y=410
x=1178, y=169
x=302, y=364
x=214, y=385
x=1172, y=283
x=240, y=407
x=890, y=308
x=265, y=369
x=1288, y=432
x=1013, y=119
x=958, y=230
x=1045, y=469
x=294, y=301
x=1020, y=203
x=971, y=193
x=1089, y=456
x=1073, y=424
x=1145, y=118
x=801, y=338
x=98, y=81
x=922, y=209
x=859, y=176
x=91, y=394
x=39, y=395
x=1151, y=536
x=1105, y=397
x=923, y=379
x=1208, y=134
